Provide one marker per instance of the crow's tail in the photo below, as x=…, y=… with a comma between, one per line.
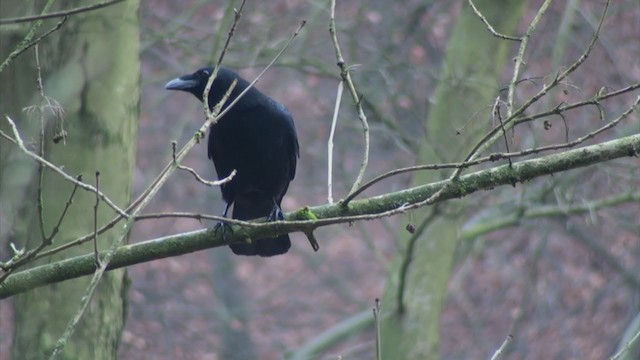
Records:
x=256, y=205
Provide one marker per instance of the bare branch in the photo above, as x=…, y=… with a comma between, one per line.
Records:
x=334, y=122
x=491, y=137
x=40, y=205
x=205, y=96
x=493, y=156
x=496, y=114
x=345, y=75
x=95, y=223
x=491, y=29
x=501, y=350
x=23, y=258
x=18, y=141
x=57, y=14
x=196, y=175
x=366, y=209
x=519, y=60
x=628, y=345
x=26, y=42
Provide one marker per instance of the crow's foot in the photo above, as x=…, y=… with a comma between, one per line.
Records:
x=276, y=214
x=223, y=229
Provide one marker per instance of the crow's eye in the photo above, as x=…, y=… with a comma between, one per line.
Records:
x=206, y=73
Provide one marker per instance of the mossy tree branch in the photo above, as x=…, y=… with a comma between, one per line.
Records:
x=365, y=209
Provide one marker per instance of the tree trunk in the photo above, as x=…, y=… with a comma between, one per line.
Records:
x=470, y=78
x=91, y=67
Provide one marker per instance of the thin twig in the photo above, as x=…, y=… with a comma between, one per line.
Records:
x=43, y=36
x=95, y=222
x=496, y=114
x=582, y=138
x=376, y=319
x=57, y=14
x=500, y=352
x=334, y=122
x=566, y=127
x=67, y=205
x=628, y=346
x=23, y=258
x=562, y=108
x=205, y=96
x=519, y=60
x=237, y=14
x=40, y=205
x=18, y=141
x=491, y=137
x=204, y=181
x=492, y=157
x=25, y=43
x=491, y=29
x=345, y=75
x=312, y=240
x=273, y=61
x=71, y=326
x=408, y=257
x=196, y=216
x=197, y=176
x=482, y=145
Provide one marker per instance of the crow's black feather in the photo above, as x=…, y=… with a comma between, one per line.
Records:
x=257, y=138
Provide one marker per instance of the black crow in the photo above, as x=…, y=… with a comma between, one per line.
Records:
x=257, y=138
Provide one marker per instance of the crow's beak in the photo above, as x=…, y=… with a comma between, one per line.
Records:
x=181, y=84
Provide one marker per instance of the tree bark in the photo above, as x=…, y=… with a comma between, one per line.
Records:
x=91, y=67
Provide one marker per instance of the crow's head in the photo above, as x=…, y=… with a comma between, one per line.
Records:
x=196, y=82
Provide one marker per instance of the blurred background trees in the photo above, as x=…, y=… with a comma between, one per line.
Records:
x=555, y=261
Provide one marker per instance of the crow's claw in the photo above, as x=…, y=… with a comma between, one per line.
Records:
x=223, y=228
x=276, y=214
